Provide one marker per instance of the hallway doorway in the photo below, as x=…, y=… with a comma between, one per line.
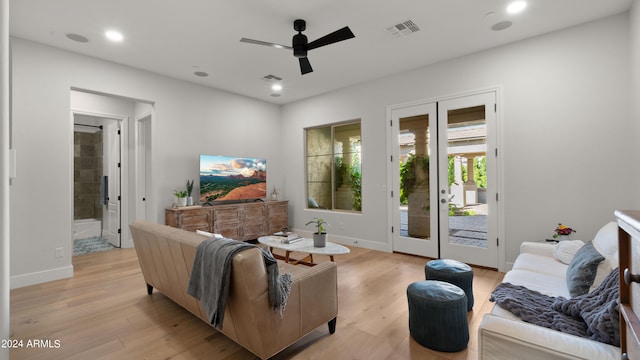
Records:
x=97, y=180
x=119, y=189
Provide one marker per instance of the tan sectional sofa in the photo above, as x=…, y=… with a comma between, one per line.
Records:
x=166, y=257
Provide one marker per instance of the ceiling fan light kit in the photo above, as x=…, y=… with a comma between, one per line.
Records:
x=301, y=45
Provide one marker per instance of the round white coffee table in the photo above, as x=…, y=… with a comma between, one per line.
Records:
x=304, y=245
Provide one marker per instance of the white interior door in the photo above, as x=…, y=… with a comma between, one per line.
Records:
x=467, y=134
x=414, y=195
x=111, y=164
x=143, y=166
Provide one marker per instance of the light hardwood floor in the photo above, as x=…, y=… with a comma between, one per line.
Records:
x=104, y=312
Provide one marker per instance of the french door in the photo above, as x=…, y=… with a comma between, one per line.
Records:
x=414, y=178
x=444, y=179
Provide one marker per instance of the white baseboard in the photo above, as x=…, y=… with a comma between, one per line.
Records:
x=126, y=244
x=41, y=277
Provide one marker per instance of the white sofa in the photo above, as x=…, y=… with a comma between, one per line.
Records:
x=502, y=335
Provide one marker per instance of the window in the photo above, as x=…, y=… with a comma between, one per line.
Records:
x=333, y=167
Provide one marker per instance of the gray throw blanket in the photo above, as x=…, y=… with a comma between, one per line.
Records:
x=211, y=277
x=279, y=285
x=593, y=315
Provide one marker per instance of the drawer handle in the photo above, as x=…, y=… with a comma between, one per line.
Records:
x=629, y=277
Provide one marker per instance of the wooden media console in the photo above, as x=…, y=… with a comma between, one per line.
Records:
x=242, y=221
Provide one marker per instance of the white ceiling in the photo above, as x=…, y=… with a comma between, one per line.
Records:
x=177, y=38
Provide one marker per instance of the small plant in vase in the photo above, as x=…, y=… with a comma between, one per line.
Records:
x=320, y=236
x=562, y=232
x=180, y=197
x=189, y=191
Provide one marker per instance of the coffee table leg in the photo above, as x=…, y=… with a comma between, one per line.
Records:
x=286, y=256
x=331, y=257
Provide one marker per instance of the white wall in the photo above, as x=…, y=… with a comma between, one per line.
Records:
x=635, y=94
x=565, y=115
x=188, y=120
x=4, y=178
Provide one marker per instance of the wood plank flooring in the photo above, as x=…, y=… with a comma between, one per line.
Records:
x=104, y=312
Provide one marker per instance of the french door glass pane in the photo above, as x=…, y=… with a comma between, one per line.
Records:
x=414, y=177
x=467, y=150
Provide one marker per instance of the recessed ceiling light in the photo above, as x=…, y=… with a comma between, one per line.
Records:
x=114, y=36
x=516, y=7
x=276, y=87
x=501, y=25
x=77, y=37
x=201, y=73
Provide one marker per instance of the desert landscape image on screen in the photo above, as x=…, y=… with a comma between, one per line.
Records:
x=231, y=178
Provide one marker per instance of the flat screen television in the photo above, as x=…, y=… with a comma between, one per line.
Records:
x=227, y=179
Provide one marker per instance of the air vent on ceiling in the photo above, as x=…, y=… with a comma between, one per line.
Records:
x=404, y=28
x=271, y=78
x=77, y=37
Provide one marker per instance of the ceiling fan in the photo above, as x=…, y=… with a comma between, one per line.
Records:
x=300, y=44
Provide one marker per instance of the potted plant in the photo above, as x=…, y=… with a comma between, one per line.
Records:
x=189, y=190
x=180, y=197
x=562, y=232
x=320, y=236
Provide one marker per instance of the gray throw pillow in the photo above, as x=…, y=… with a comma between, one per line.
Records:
x=582, y=270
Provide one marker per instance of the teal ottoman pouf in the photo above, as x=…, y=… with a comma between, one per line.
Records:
x=453, y=272
x=438, y=315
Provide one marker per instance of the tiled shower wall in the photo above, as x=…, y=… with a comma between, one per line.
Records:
x=87, y=170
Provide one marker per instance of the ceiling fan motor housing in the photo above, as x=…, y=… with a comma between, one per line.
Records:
x=300, y=45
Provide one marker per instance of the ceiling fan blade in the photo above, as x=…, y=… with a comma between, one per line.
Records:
x=259, y=42
x=305, y=65
x=338, y=35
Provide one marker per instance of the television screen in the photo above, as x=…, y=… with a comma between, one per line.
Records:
x=232, y=178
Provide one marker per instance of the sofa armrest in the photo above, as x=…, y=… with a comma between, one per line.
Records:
x=318, y=295
x=501, y=338
x=313, y=302
x=537, y=248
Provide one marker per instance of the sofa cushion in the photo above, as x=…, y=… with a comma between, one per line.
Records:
x=566, y=250
x=604, y=269
x=606, y=241
x=551, y=285
x=208, y=234
x=540, y=264
x=582, y=270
